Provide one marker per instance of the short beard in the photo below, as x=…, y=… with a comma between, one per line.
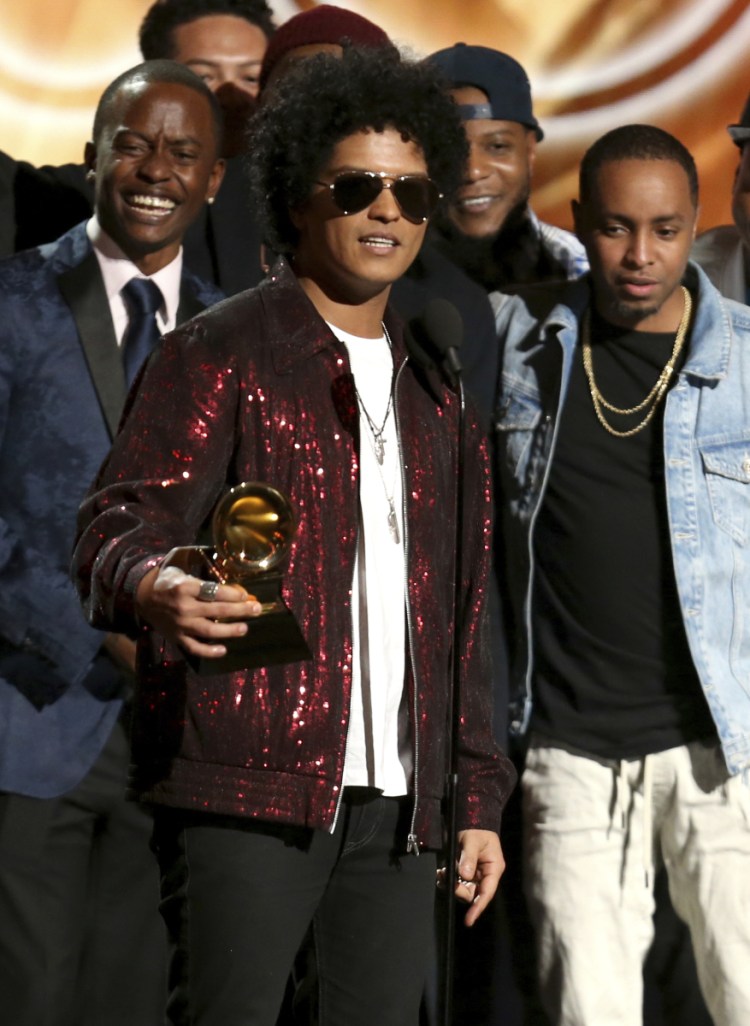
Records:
x=633, y=315
x=487, y=259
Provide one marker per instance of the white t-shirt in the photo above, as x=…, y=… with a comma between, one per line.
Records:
x=378, y=750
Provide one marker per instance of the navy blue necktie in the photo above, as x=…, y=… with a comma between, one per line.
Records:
x=143, y=298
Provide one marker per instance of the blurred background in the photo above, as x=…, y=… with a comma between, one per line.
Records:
x=594, y=64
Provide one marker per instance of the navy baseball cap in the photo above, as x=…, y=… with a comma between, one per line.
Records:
x=741, y=133
x=498, y=75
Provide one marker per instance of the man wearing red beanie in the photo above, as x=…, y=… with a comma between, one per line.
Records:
x=323, y=29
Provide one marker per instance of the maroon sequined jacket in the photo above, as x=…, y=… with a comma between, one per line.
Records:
x=258, y=388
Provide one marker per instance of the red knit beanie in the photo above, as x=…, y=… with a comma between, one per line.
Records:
x=322, y=24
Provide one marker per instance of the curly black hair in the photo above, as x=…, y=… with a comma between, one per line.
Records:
x=164, y=16
x=326, y=99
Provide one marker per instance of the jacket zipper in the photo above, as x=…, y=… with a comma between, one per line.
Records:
x=412, y=843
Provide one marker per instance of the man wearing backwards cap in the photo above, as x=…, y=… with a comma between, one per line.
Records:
x=489, y=230
x=724, y=252
x=487, y=227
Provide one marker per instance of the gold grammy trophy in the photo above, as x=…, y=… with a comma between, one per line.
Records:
x=253, y=529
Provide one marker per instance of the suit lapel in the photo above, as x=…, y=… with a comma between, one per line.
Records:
x=82, y=289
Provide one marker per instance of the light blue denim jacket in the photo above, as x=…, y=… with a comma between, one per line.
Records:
x=707, y=474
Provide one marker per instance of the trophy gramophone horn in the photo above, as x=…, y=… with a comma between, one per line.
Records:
x=253, y=529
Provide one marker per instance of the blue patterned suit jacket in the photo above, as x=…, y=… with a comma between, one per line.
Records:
x=62, y=388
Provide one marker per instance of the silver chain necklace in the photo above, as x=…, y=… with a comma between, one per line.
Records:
x=377, y=444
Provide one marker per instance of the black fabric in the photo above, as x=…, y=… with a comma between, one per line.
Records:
x=433, y=275
x=40, y=204
x=81, y=942
x=504, y=262
x=239, y=895
x=612, y=670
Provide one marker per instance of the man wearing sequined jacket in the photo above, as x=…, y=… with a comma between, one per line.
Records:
x=623, y=456
x=303, y=793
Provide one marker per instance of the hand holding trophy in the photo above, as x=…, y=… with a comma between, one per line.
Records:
x=253, y=529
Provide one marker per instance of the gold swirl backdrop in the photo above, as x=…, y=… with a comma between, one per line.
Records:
x=593, y=64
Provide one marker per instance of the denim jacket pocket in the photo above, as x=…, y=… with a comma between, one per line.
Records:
x=727, y=470
x=516, y=418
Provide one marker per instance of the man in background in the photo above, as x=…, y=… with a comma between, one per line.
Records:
x=224, y=42
x=488, y=227
x=622, y=447
x=81, y=943
x=724, y=252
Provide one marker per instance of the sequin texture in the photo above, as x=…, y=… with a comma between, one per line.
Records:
x=259, y=389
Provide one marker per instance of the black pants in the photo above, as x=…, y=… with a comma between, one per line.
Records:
x=81, y=941
x=238, y=898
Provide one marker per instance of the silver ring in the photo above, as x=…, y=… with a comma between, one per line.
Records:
x=207, y=591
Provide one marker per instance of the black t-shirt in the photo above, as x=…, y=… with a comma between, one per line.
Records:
x=612, y=669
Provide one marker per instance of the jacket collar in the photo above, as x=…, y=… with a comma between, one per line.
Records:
x=710, y=335
x=298, y=330
x=567, y=312
x=711, y=331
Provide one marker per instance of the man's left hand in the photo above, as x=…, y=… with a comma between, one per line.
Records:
x=480, y=867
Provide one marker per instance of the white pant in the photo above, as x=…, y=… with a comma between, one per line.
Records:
x=592, y=830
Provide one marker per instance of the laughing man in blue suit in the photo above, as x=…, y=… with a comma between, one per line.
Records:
x=80, y=937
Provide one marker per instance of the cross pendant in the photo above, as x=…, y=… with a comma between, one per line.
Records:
x=379, y=449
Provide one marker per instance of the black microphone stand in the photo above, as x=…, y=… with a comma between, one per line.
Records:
x=433, y=341
x=453, y=369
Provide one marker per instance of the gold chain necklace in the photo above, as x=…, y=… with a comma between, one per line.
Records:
x=654, y=396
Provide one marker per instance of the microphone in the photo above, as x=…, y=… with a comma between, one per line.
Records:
x=435, y=337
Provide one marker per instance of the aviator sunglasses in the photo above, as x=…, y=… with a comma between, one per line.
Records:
x=416, y=195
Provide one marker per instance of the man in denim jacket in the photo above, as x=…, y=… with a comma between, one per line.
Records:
x=623, y=464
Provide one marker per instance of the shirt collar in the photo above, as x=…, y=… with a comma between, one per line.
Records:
x=117, y=270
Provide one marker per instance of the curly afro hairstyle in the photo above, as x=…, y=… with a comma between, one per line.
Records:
x=326, y=99
x=164, y=16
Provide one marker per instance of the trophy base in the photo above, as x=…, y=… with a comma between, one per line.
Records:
x=272, y=638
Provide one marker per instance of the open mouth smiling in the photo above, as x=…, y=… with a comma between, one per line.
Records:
x=150, y=204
